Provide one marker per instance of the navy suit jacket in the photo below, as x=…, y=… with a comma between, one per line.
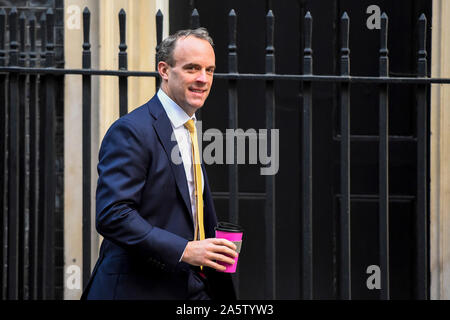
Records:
x=143, y=211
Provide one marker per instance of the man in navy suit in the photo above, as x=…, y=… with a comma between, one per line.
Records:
x=145, y=201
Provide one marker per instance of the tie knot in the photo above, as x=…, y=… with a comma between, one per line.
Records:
x=190, y=125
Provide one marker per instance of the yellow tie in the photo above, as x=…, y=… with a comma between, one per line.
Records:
x=199, y=233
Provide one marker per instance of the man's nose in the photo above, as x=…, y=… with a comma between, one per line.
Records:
x=202, y=76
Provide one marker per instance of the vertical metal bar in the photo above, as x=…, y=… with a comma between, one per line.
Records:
x=335, y=107
x=345, y=220
x=3, y=159
x=13, y=179
x=159, y=31
x=270, y=219
x=307, y=222
x=86, y=149
x=123, y=65
x=233, y=115
x=383, y=214
x=233, y=209
x=24, y=184
x=421, y=223
x=195, y=23
x=34, y=190
x=42, y=218
x=49, y=159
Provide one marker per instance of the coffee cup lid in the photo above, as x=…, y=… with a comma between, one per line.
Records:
x=228, y=227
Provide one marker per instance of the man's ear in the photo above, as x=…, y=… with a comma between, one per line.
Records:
x=163, y=69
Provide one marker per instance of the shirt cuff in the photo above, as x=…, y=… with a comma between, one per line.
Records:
x=182, y=253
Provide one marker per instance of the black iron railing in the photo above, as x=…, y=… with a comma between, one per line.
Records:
x=28, y=183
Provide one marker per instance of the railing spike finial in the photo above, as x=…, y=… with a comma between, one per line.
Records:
x=32, y=33
x=22, y=28
x=384, y=52
x=14, y=45
x=195, y=19
x=2, y=36
x=307, y=51
x=122, y=29
x=270, y=59
x=50, y=29
x=345, y=50
x=122, y=46
x=86, y=61
x=43, y=35
x=422, y=35
x=86, y=28
x=422, y=53
x=232, y=47
x=159, y=26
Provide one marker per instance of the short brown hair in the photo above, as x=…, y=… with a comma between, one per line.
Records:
x=165, y=50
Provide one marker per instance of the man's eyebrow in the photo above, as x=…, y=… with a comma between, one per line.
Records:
x=192, y=64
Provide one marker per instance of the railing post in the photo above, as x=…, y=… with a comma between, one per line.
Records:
x=34, y=165
x=86, y=96
x=49, y=163
x=13, y=154
x=421, y=223
x=307, y=223
x=195, y=23
x=159, y=30
x=345, y=232
x=233, y=210
x=3, y=159
x=24, y=184
x=384, y=162
x=270, y=219
x=42, y=227
x=123, y=65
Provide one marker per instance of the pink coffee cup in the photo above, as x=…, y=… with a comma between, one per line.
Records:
x=233, y=233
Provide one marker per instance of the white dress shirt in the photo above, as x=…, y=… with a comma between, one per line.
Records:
x=178, y=118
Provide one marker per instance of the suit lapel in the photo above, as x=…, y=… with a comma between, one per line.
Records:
x=164, y=130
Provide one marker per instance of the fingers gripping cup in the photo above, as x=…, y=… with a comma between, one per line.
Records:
x=233, y=233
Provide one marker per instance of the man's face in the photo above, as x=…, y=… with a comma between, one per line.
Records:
x=189, y=81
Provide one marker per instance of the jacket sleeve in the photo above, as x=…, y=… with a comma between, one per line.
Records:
x=122, y=169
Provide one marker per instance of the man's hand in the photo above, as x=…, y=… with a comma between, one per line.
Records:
x=207, y=252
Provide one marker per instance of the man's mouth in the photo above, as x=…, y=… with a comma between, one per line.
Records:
x=197, y=90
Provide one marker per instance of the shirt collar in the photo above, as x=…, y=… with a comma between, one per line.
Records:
x=176, y=114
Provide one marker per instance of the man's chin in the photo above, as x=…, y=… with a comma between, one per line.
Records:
x=197, y=105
